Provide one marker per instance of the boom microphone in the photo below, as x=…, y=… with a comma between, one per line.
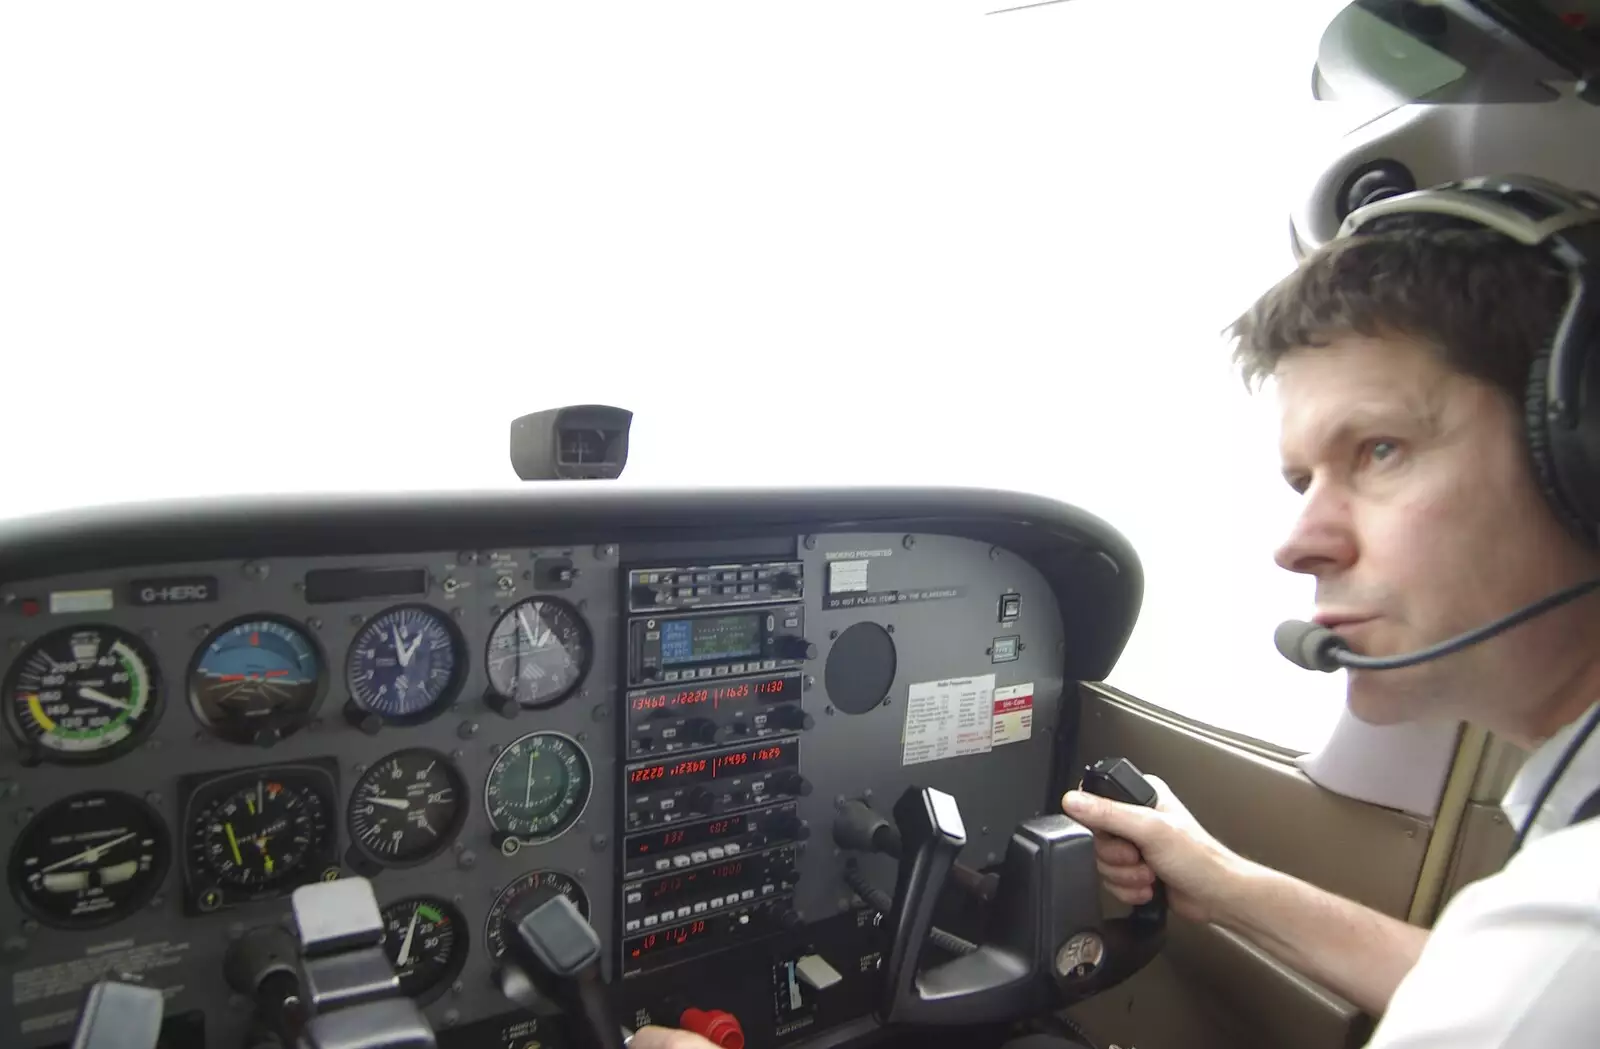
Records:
x=1319, y=648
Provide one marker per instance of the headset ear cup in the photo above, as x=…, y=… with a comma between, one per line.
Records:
x=1536, y=426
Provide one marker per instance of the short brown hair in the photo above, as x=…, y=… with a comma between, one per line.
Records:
x=1487, y=304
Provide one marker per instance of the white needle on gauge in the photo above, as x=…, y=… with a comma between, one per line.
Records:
x=88, y=692
x=393, y=803
x=527, y=631
x=92, y=853
x=399, y=646
x=405, y=947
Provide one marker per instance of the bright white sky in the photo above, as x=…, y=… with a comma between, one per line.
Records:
x=311, y=246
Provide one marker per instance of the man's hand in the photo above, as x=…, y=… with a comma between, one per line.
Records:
x=1134, y=845
x=668, y=1038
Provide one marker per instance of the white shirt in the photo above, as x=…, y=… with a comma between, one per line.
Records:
x=1514, y=959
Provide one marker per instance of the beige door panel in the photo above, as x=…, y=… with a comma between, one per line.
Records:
x=1481, y=848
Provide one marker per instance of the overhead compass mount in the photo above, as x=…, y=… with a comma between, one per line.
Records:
x=575, y=442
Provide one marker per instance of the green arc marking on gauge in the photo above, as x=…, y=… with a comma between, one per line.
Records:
x=429, y=912
x=136, y=701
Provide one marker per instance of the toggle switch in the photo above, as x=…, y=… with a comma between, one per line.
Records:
x=816, y=973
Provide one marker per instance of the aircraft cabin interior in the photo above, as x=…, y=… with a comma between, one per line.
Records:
x=535, y=759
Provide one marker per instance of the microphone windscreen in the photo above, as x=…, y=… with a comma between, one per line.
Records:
x=1306, y=644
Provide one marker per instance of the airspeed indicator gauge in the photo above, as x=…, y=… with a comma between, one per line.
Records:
x=83, y=694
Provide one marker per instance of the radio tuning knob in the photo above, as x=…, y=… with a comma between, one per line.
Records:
x=701, y=800
x=790, y=716
x=644, y=595
x=788, y=826
x=700, y=730
x=796, y=648
x=791, y=782
x=790, y=919
x=785, y=581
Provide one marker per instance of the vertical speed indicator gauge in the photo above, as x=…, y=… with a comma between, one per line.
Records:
x=405, y=665
x=256, y=680
x=83, y=694
x=538, y=653
x=406, y=808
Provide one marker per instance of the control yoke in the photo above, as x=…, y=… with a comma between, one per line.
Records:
x=1047, y=945
x=326, y=985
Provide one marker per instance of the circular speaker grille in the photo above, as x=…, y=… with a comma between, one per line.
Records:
x=860, y=668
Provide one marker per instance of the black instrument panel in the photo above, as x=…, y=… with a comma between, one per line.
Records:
x=650, y=703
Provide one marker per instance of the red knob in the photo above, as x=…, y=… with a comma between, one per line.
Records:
x=714, y=1025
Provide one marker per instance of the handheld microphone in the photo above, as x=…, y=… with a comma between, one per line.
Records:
x=1319, y=648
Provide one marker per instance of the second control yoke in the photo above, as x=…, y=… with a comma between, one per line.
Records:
x=1047, y=945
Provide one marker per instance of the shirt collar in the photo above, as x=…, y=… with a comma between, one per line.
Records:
x=1580, y=779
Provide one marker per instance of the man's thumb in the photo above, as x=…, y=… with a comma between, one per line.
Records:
x=1103, y=814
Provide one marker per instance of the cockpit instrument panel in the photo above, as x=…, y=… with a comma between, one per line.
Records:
x=650, y=703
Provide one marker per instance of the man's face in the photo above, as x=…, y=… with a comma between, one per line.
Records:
x=1421, y=521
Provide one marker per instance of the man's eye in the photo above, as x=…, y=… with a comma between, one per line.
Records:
x=1380, y=449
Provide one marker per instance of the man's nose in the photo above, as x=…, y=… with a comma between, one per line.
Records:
x=1323, y=538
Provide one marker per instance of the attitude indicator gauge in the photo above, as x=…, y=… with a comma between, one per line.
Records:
x=521, y=898
x=536, y=790
x=89, y=860
x=538, y=653
x=83, y=694
x=425, y=938
x=405, y=666
x=406, y=808
x=256, y=680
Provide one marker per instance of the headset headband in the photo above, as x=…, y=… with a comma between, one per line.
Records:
x=1529, y=210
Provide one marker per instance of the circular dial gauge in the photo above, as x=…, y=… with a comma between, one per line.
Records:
x=405, y=665
x=89, y=860
x=521, y=898
x=84, y=693
x=1080, y=956
x=407, y=807
x=256, y=679
x=426, y=941
x=259, y=834
x=537, y=788
x=539, y=652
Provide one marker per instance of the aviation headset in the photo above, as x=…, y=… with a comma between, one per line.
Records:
x=1562, y=398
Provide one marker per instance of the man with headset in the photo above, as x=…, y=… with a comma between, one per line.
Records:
x=1437, y=367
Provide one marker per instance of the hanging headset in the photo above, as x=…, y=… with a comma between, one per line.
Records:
x=1562, y=397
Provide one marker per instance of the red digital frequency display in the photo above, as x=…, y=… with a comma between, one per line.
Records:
x=689, y=698
x=685, y=837
x=668, y=939
x=741, y=762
